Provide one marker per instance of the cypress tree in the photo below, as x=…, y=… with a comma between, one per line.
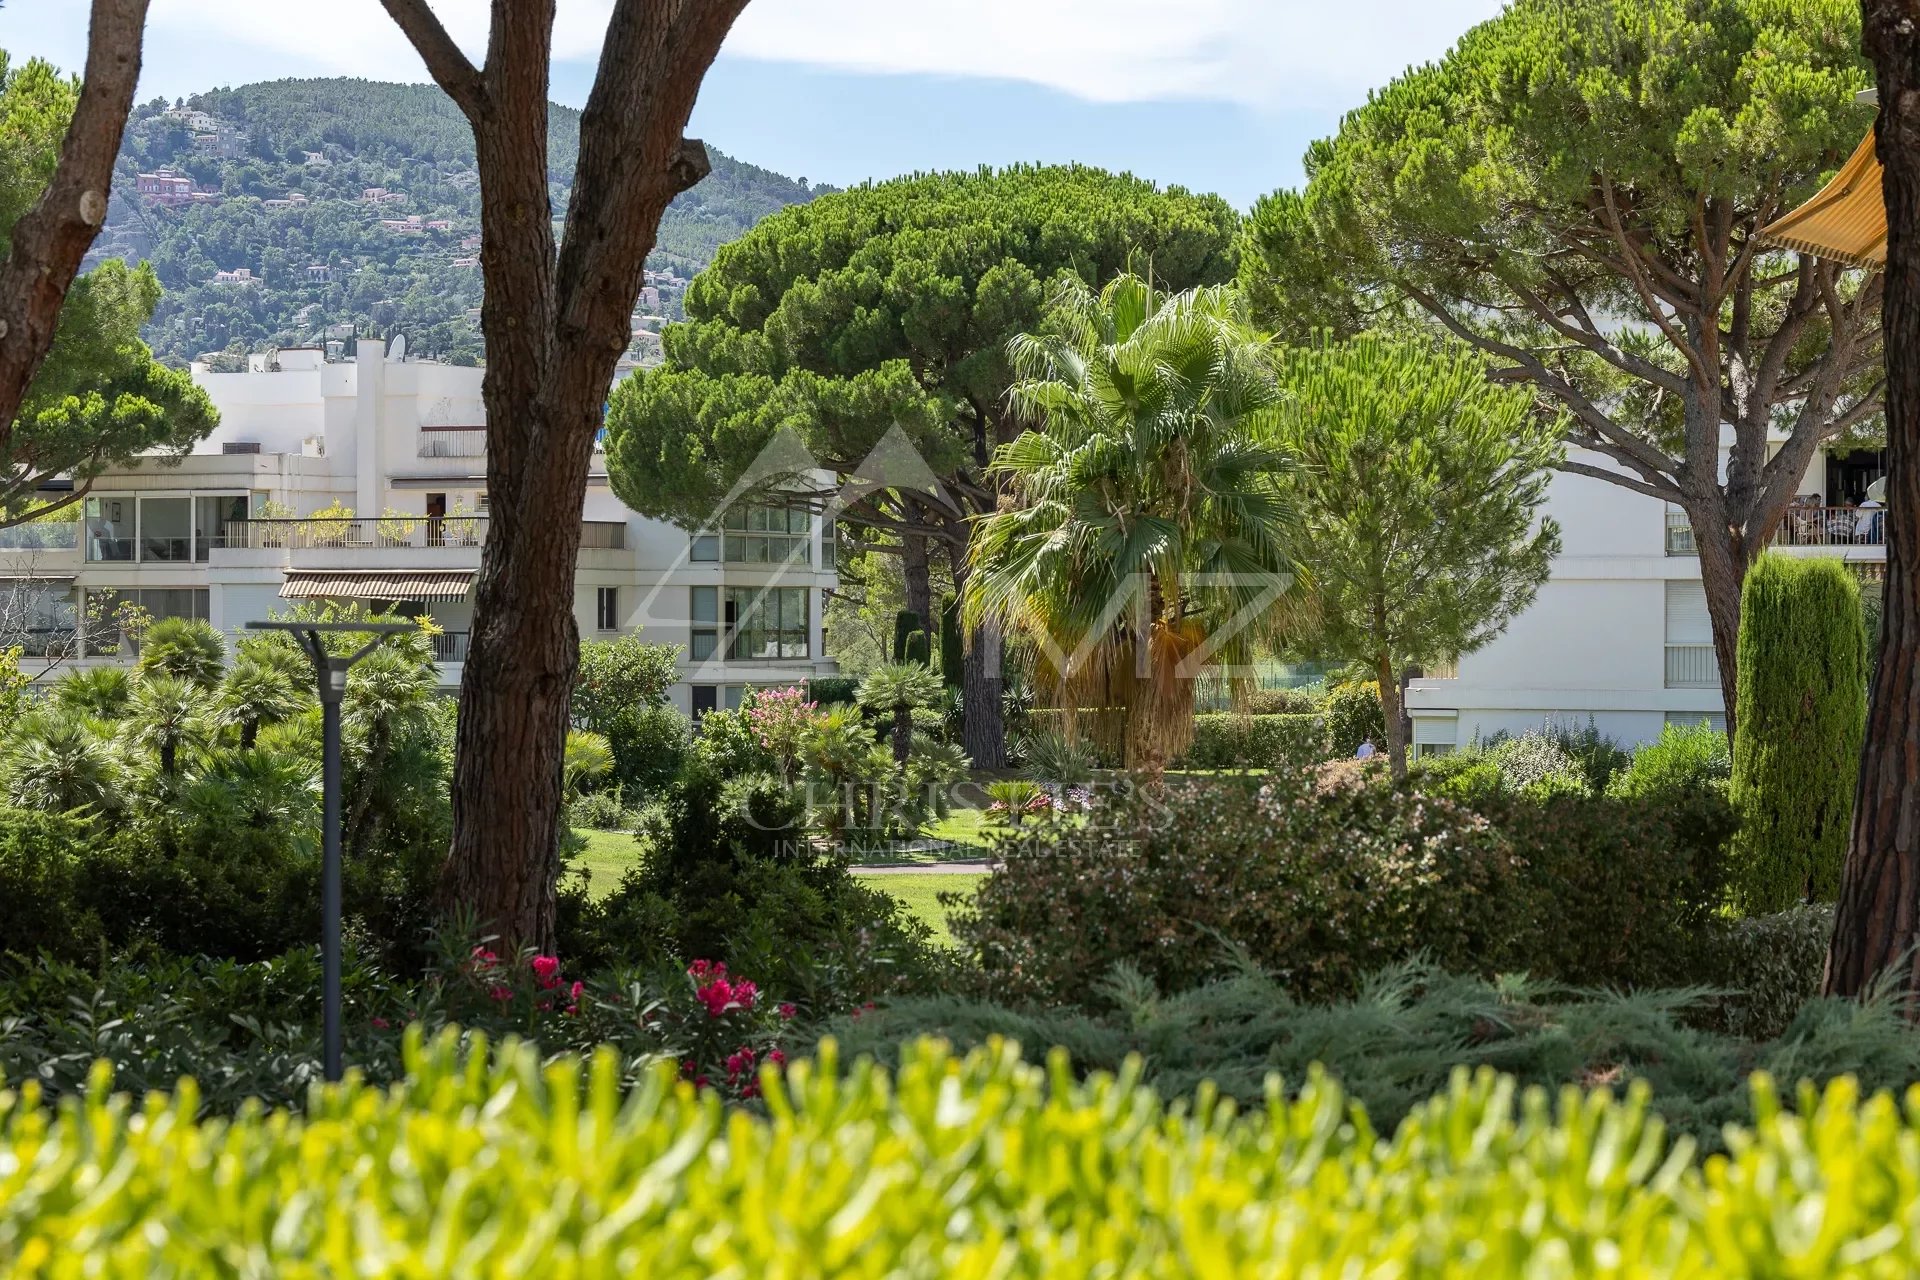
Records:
x=905, y=623
x=1802, y=711
x=918, y=650
x=952, y=655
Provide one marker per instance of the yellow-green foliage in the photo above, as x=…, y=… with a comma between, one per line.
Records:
x=981, y=1166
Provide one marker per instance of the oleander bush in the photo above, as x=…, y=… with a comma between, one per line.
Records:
x=1354, y=715
x=1325, y=875
x=1228, y=740
x=487, y=1162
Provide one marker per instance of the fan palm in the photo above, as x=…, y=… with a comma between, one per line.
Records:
x=184, y=648
x=1148, y=530
x=94, y=691
x=162, y=717
x=587, y=758
x=897, y=690
x=389, y=694
x=57, y=763
x=257, y=693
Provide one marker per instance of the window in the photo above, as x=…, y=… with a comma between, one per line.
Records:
x=704, y=610
x=115, y=617
x=766, y=622
x=1691, y=663
x=768, y=535
x=734, y=695
x=704, y=548
x=211, y=518
x=606, y=608
x=37, y=615
x=829, y=545
x=705, y=699
x=109, y=529
x=166, y=529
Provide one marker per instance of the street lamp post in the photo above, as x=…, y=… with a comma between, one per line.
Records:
x=331, y=672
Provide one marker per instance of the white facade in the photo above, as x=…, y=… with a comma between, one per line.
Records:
x=226, y=533
x=1619, y=634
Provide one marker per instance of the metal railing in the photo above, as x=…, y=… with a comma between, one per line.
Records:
x=1692, y=666
x=453, y=442
x=1800, y=527
x=451, y=646
x=323, y=532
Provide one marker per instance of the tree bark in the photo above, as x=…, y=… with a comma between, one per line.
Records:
x=913, y=565
x=52, y=237
x=984, y=730
x=1724, y=561
x=1877, y=924
x=555, y=325
x=1390, y=708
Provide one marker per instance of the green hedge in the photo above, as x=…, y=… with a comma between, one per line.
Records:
x=1226, y=740
x=982, y=1165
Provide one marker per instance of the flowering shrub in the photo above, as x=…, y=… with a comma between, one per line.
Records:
x=783, y=721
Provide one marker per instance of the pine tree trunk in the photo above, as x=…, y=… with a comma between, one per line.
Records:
x=556, y=323
x=1391, y=709
x=919, y=590
x=1877, y=925
x=1723, y=573
x=984, y=732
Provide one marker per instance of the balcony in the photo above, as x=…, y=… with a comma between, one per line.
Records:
x=1836, y=527
x=41, y=535
x=453, y=442
x=388, y=533
x=1692, y=666
x=451, y=646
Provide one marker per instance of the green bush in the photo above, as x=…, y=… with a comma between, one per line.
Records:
x=946, y=1166
x=42, y=909
x=1802, y=705
x=600, y=811
x=1226, y=740
x=1354, y=716
x=1770, y=968
x=1101, y=730
x=1685, y=758
x=831, y=689
x=1283, y=702
x=1325, y=876
x=1534, y=759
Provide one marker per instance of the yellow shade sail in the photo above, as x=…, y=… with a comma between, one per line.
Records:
x=1846, y=221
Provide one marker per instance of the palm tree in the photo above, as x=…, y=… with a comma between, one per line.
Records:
x=897, y=690
x=588, y=758
x=1149, y=532
x=184, y=648
x=57, y=763
x=94, y=691
x=162, y=717
x=388, y=695
x=257, y=693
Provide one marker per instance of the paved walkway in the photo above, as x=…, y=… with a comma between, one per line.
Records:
x=921, y=868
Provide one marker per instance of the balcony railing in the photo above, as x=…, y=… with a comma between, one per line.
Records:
x=41, y=535
x=453, y=442
x=1800, y=527
x=1692, y=666
x=451, y=646
x=386, y=532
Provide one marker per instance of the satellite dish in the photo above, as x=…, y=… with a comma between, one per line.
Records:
x=397, y=347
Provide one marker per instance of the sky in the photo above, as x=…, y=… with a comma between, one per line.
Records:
x=1214, y=95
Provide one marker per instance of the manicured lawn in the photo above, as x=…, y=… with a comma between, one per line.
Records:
x=920, y=893
x=607, y=857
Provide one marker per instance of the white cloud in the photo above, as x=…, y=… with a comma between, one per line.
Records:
x=1260, y=52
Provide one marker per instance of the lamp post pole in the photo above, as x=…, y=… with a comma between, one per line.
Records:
x=330, y=671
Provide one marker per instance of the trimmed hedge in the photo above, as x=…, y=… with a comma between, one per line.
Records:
x=1802, y=701
x=492, y=1165
x=1226, y=740
x=1323, y=876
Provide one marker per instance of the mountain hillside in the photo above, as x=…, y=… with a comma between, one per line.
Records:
x=294, y=210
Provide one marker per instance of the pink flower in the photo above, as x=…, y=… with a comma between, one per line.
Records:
x=739, y=1060
x=686, y=1066
x=776, y=1057
x=576, y=989
x=483, y=958
x=381, y=1024
x=786, y=1009
x=745, y=993
x=546, y=971
x=500, y=991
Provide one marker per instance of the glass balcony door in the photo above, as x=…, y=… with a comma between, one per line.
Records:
x=166, y=529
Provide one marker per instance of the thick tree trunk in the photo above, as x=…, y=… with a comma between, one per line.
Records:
x=1390, y=706
x=1723, y=574
x=555, y=326
x=913, y=564
x=51, y=238
x=1877, y=926
x=984, y=732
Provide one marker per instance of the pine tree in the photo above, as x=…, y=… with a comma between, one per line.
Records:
x=1802, y=713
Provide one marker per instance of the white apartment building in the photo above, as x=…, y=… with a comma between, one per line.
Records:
x=392, y=451
x=1620, y=632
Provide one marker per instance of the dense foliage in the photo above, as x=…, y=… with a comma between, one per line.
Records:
x=1227, y=740
x=329, y=141
x=988, y=1165
x=620, y=692
x=1802, y=715
x=1325, y=875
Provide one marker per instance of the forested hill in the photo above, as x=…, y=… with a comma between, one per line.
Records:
x=354, y=203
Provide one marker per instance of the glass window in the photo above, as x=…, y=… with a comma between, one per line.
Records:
x=768, y=622
x=607, y=608
x=115, y=618
x=704, y=548
x=705, y=698
x=768, y=535
x=704, y=611
x=109, y=529
x=38, y=616
x=735, y=695
x=166, y=529
x=211, y=518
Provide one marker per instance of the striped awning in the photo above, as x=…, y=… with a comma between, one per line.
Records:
x=373, y=584
x=1846, y=221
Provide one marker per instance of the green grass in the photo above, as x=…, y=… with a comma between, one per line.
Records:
x=920, y=894
x=607, y=857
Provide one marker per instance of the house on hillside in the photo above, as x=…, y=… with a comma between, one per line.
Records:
x=380, y=195
x=163, y=187
x=1619, y=634
x=239, y=275
x=402, y=442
